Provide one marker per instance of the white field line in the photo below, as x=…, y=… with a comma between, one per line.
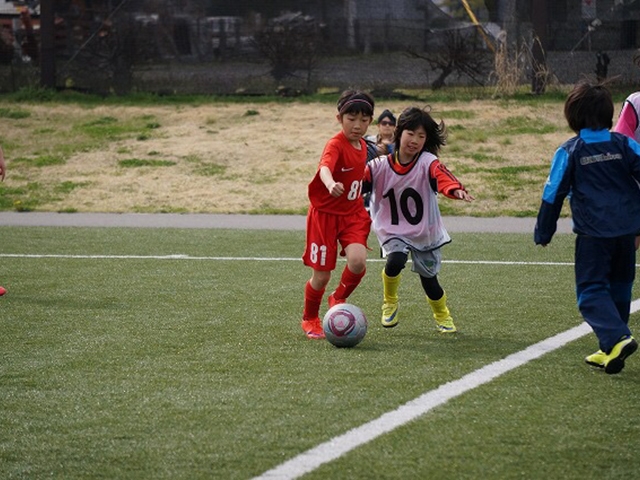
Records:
x=338, y=446
x=252, y=259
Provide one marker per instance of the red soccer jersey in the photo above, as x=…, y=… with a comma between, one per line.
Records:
x=347, y=167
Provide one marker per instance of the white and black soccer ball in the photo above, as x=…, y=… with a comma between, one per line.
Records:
x=344, y=325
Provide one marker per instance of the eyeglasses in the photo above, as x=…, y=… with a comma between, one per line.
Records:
x=386, y=124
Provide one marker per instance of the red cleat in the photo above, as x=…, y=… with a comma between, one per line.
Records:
x=313, y=328
x=334, y=301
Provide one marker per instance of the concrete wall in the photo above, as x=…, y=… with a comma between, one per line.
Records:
x=569, y=67
x=380, y=71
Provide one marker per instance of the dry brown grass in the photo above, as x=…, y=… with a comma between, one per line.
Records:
x=508, y=69
x=233, y=158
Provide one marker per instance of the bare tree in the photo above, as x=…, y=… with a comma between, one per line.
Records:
x=291, y=43
x=106, y=44
x=459, y=53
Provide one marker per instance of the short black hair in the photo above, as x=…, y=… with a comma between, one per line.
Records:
x=387, y=114
x=412, y=118
x=589, y=105
x=355, y=101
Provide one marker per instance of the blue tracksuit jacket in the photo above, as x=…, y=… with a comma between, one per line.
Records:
x=600, y=171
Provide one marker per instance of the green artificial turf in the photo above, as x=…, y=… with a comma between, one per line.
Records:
x=178, y=354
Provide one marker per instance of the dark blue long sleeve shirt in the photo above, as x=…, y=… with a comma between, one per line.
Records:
x=599, y=170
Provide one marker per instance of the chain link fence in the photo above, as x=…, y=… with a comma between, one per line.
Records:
x=115, y=50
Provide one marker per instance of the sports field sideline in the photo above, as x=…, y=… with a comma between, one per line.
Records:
x=269, y=222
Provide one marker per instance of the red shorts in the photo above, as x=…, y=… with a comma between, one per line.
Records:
x=326, y=230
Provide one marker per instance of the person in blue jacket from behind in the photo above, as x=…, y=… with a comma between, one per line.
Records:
x=599, y=171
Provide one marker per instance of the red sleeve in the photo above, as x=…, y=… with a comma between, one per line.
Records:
x=330, y=155
x=445, y=180
x=367, y=174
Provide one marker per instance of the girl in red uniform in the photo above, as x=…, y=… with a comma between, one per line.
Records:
x=337, y=216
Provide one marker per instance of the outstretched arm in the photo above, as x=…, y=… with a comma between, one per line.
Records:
x=447, y=183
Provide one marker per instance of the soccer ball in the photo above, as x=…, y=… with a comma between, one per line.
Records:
x=344, y=325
